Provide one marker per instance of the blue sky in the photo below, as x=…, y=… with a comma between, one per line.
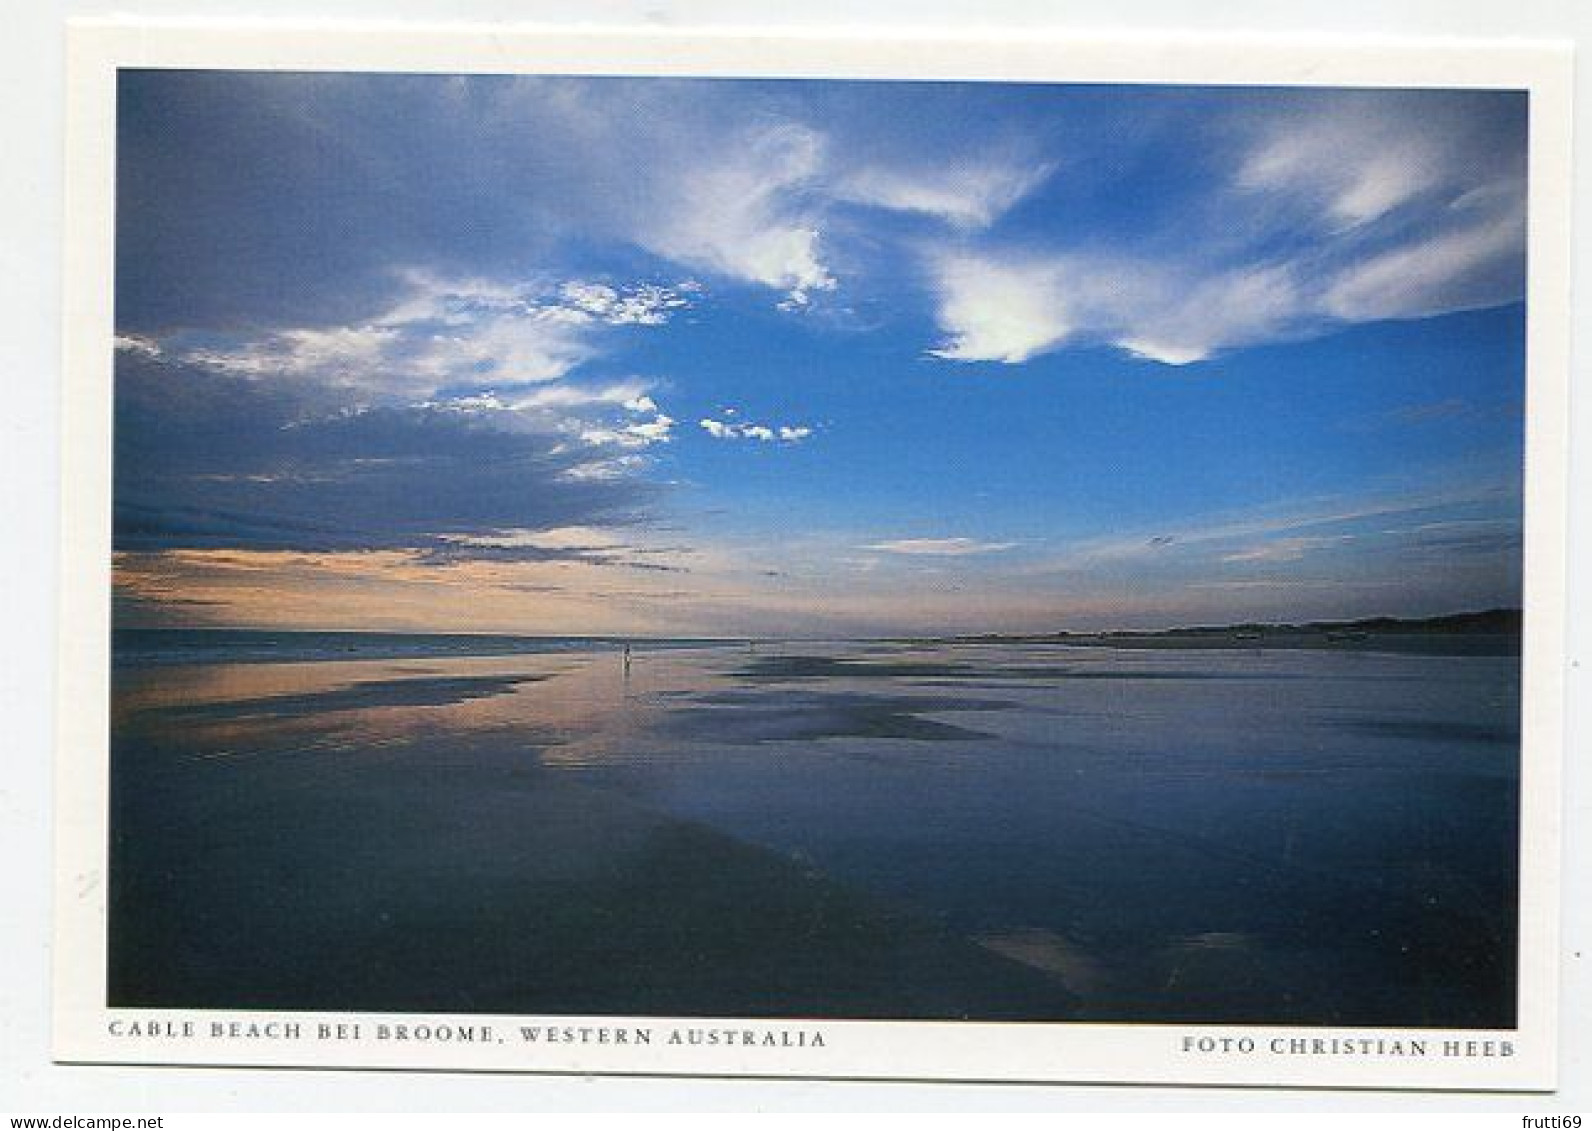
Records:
x=713, y=356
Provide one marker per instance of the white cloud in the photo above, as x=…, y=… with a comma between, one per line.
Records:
x=1358, y=156
x=966, y=193
x=645, y=305
x=289, y=354
x=742, y=213
x=1472, y=267
x=940, y=547
x=1000, y=311
x=1286, y=549
x=555, y=538
x=137, y=344
x=631, y=396
x=620, y=415
x=448, y=332
x=486, y=402
x=616, y=467
x=1009, y=312
x=748, y=198
x=1178, y=322
x=1336, y=209
x=641, y=434
x=1178, y=313
x=736, y=430
x=514, y=342
x=1164, y=352
x=1357, y=169
x=681, y=172
x=654, y=431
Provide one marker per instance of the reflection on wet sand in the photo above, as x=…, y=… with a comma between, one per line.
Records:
x=956, y=830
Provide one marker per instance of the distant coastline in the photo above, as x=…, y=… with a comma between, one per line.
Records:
x=1488, y=632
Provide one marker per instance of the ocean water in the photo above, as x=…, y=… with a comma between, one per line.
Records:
x=1013, y=831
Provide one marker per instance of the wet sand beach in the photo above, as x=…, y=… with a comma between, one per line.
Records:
x=1015, y=831
x=319, y=867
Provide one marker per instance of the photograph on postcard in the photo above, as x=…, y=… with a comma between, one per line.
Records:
x=818, y=550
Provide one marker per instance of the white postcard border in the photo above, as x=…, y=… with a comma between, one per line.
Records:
x=86, y=1031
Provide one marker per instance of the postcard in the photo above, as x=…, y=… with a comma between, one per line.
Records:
x=686, y=553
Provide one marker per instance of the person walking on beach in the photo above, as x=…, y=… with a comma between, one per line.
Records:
x=627, y=658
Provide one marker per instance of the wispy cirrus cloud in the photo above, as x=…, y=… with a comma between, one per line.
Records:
x=436, y=333
x=1317, y=209
x=1356, y=157
x=1012, y=309
x=1474, y=265
x=757, y=211
x=939, y=547
x=1341, y=210
x=1353, y=168
x=1287, y=549
x=968, y=191
x=743, y=214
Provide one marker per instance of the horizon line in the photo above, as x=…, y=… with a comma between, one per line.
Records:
x=885, y=636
